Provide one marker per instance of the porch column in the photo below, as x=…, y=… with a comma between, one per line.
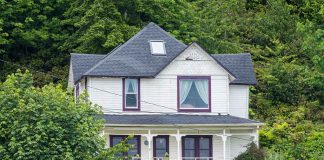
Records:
x=149, y=138
x=179, y=143
x=256, y=136
x=224, y=139
x=178, y=137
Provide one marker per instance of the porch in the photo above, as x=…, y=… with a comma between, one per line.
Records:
x=176, y=137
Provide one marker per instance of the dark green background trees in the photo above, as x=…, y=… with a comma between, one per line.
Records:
x=284, y=37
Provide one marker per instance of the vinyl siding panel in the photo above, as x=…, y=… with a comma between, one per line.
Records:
x=239, y=100
x=98, y=93
x=173, y=147
x=238, y=144
x=162, y=90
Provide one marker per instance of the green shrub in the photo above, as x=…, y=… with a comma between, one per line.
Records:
x=252, y=153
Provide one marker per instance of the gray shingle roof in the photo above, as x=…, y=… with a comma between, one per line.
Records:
x=134, y=59
x=81, y=63
x=240, y=65
x=171, y=119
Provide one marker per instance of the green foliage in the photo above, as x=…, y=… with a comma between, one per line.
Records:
x=285, y=38
x=252, y=153
x=46, y=123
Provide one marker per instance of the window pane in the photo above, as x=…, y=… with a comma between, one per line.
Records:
x=131, y=100
x=204, y=153
x=132, y=152
x=157, y=47
x=160, y=143
x=131, y=85
x=194, y=93
x=133, y=141
x=204, y=143
x=189, y=143
x=116, y=140
x=160, y=153
x=189, y=153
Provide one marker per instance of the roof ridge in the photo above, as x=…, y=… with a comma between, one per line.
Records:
x=128, y=41
x=112, y=52
x=87, y=54
x=244, y=53
x=167, y=33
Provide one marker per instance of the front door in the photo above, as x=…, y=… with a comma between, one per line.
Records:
x=199, y=147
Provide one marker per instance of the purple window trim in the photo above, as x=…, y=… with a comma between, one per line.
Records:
x=209, y=94
x=85, y=83
x=138, y=96
x=77, y=90
x=124, y=137
x=197, y=146
x=167, y=143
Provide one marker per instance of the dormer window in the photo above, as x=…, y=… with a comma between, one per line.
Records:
x=157, y=47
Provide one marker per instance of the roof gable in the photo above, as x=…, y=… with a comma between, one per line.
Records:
x=194, y=53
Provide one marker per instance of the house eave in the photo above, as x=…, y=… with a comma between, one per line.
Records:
x=186, y=125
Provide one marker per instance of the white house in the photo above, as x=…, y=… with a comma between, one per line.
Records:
x=177, y=100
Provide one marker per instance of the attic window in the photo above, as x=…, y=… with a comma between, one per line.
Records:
x=157, y=47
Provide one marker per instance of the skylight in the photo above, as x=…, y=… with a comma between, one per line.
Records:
x=157, y=47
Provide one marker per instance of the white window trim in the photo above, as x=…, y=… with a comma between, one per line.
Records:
x=158, y=54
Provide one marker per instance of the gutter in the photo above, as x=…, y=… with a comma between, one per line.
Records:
x=185, y=125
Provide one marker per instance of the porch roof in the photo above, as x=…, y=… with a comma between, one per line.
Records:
x=173, y=119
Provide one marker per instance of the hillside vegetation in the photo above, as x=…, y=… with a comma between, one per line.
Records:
x=285, y=38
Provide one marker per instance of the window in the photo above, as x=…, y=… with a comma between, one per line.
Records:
x=194, y=93
x=131, y=94
x=160, y=147
x=136, y=144
x=157, y=47
x=197, y=146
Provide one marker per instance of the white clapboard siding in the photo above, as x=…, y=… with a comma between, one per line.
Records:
x=108, y=101
x=162, y=90
x=238, y=145
x=217, y=147
x=239, y=100
x=173, y=147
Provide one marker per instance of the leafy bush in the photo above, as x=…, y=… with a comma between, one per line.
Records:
x=46, y=123
x=252, y=153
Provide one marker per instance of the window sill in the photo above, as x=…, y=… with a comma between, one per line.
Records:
x=131, y=109
x=194, y=110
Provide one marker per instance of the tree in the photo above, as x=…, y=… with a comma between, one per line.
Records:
x=46, y=123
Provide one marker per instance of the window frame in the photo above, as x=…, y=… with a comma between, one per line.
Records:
x=167, y=144
x=164, y=49
x=197, y=144
x=124, y=137
x=193, y=109
x=138, y=107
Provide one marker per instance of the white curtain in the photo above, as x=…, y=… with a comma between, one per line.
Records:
x=185, y=86
x=131, y=83
x=202, y=88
